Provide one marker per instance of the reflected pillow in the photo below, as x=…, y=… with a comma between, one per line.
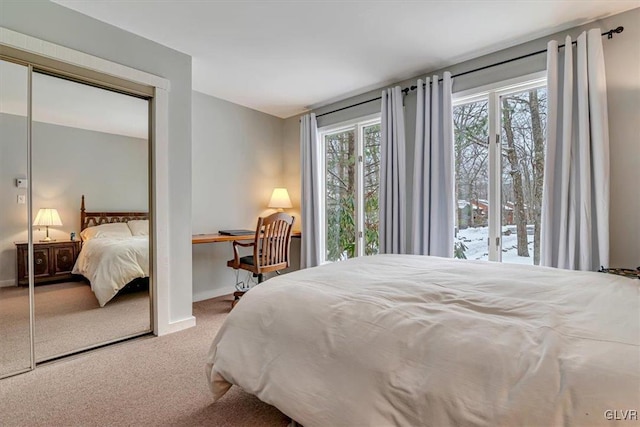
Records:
x=116, y=229
x=139, y=227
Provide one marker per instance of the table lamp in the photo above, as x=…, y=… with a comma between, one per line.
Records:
x=47, y=217
x=280, y=199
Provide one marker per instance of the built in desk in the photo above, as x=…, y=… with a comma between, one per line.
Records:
x=217, y=237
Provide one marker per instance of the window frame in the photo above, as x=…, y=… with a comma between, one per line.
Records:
x=492, y=94
x=357, y=124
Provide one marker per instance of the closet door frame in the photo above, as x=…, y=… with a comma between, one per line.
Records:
x=48, y=58
x=29, y=215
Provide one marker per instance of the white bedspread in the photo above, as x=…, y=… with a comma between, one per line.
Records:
x=426, y=341
x=111, y=262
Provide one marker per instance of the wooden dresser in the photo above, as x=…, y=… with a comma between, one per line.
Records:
x=53, y=261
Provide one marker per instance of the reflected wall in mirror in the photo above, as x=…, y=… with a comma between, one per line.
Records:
x=93, y=142
x=15, y=341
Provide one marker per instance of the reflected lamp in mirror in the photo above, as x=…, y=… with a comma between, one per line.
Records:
x=47, y=217
x=280, y=199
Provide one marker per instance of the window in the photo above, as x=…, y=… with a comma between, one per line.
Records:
x=499, y=137
x=351, y=176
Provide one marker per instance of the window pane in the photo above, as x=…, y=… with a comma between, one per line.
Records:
x=371, y=185
x=340, y=152
x=472, y=180
x=523, y=145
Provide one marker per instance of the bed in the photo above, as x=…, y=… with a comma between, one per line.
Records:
x=115, y=251
x=427, y=341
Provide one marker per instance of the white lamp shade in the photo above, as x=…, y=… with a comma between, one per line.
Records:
x=280, y=199
x=47, y=216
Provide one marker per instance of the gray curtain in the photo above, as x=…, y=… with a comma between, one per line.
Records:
x=432, y=216
x=575, y=195
x=392, y=200
x=310, y=192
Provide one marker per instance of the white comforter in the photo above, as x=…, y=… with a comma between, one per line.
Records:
x=110, y=263
x=426, y=341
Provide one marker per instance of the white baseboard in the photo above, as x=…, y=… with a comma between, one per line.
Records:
x=213, y=293
x=7, y=283
x=179, y=325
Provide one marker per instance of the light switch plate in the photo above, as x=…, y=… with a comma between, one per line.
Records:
x=22, y=199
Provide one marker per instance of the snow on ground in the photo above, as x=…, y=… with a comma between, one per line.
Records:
x=475, y=239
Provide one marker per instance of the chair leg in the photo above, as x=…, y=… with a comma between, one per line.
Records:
x=236, y=298
x=238, y=294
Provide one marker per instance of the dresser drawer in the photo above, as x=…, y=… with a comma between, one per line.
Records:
x=63, y=259
x=40, y=263
x=52, y=261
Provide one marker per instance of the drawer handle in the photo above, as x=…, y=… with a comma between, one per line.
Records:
x=64, y=258
x=39, y=261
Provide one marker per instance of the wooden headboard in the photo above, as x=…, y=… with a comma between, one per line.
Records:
x=90, y=219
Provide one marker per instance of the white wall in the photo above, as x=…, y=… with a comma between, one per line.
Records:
x=237, y=162
x=110, y=170
x=291, y=152
x=13, y=216
x=622, y=58
x=622, y=63
x=57, y=24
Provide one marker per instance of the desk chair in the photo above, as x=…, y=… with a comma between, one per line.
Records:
x=270, y=250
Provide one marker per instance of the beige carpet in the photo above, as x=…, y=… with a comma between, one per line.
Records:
x=157, y=381
x=68, y=318
x=14, y=329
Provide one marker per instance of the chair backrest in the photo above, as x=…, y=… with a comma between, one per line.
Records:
x=273, y=241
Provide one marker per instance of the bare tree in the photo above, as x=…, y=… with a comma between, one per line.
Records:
x=538, y=170
x=471, y=157
x=516, y=178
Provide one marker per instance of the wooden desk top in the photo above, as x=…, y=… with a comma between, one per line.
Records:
x=217, y=237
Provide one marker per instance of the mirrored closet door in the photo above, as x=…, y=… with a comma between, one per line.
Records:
x=75, y=223
x=15, y=325
x=91, y=212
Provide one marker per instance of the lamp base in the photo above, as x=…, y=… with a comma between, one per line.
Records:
x=47, y=238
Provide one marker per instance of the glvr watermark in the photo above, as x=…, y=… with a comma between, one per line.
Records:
x=621, y=414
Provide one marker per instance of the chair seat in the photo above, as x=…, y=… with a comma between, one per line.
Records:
x=247, y=260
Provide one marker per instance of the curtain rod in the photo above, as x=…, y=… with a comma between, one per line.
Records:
x=406, y=90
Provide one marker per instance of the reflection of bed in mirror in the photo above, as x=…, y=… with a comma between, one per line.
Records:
x=115, y=252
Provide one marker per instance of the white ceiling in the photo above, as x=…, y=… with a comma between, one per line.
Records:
x=65, y=103
x=283, y=57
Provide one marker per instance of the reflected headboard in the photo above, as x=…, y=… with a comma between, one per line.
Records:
x=90, y=219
